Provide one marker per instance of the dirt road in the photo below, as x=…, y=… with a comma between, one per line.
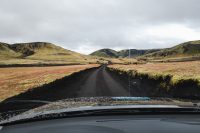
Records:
x=101, y=83
x=94, y=83
x=90, y=83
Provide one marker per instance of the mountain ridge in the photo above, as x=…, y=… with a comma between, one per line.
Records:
x=122, y=53
x=39, y=52
x=190, y=48
x=44, y=53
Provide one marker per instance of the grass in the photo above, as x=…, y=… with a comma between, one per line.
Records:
x=177, y=79
x=16, y=80
x=105, y=60
x=178, y=70
x=15, y=61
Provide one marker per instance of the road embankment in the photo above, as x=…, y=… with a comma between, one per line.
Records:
x=146, y=84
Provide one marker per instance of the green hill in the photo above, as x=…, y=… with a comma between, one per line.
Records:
x=40, y=52
x=105, y=53
x=6, y=52
x=187, y=49
x=135, y=52
x=122, y=53
x=191, y=48
x=45, y=51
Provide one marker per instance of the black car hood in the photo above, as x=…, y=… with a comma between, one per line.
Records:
x=98, y=103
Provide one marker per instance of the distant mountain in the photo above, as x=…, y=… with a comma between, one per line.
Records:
x=40, y=52
x=121, y=53
x=105, y=53
x=135, y=52
x=191, y=48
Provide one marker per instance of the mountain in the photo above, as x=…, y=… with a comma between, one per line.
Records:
x=135, y=52
x=105, y=53
x=7, y=52
x=43, y=50
x=121, y=53
x=48, y=53
x=191, y=48
x=39, y=52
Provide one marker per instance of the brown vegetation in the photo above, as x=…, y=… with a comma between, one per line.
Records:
x=179, y=80
x=19, y=79
x=179, y=70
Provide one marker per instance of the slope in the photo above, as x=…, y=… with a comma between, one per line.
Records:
x=41, y=53
x=122, y=53
x=135, y=52
x=191, y=48
x=105, y=53
x=6, y=52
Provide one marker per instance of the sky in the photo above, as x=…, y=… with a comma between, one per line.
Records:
x=88, y=25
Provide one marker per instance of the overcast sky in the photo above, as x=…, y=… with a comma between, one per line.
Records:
x=88, y=25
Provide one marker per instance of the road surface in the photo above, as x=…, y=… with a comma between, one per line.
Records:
x=101, y=83
x=96, y=82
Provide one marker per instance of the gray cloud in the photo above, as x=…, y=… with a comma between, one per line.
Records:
x=87, y=25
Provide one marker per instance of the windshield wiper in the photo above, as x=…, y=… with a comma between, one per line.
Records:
x=104, y=112
x=27, y=101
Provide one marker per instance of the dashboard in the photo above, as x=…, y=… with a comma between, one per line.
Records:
x=112, y=124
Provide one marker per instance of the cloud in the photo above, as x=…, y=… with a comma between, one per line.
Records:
x=87, y=25
x=178, y=31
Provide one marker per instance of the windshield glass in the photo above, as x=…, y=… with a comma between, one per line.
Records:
x=96, y=53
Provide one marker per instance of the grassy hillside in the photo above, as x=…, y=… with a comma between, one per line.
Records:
x=105, y=53
x=185, y=51
x=122, y=53
x=191, y=48
x=6, y=52
x=135, y=52
x=46, y=51
x=40, y=53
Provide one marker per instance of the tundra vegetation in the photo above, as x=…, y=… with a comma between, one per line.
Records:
x=178, y=79
x=16, y=80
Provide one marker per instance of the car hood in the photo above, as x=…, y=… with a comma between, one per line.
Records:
x=98, y=103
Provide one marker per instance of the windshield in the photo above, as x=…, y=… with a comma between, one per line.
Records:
x=85, y=53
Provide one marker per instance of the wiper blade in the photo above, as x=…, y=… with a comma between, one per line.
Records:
x=27, y=101
x=108, y=111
